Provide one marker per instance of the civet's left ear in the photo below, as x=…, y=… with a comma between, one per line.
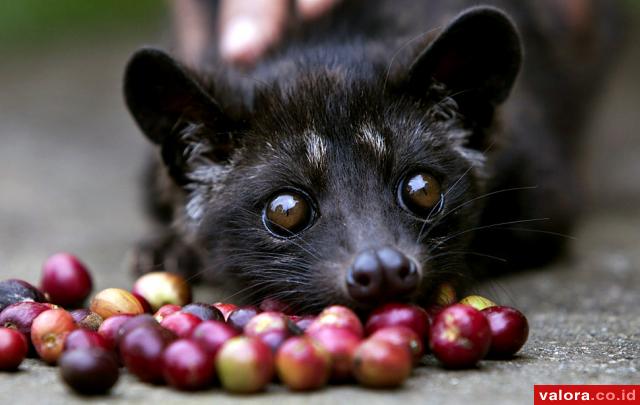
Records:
x=477, y=57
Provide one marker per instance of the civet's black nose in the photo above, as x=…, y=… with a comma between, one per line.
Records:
x=382, y=273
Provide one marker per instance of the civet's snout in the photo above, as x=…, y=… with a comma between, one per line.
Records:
x=381, y=274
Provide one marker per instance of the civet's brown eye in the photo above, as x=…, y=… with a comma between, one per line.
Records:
x=420, y=193
x=288, y=213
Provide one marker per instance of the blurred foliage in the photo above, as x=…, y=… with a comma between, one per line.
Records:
x=24, y=22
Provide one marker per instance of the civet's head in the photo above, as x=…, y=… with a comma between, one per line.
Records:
x=338, y=184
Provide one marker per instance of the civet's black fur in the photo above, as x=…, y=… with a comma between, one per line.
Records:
x=413, y=73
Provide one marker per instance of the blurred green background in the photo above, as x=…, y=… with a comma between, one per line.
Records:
x=39, y=22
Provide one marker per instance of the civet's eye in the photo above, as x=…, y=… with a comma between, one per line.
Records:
x=420, y=193
x=288, y=213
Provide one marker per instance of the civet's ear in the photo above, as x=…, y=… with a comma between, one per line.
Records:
x=477, y=57
x=164, y=100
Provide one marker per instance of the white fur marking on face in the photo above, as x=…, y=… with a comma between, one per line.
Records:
x=372, y=138
x=316, y=149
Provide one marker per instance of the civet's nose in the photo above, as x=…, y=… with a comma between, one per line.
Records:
x=381, y=274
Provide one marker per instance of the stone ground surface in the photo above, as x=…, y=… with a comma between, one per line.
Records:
x=69, y=156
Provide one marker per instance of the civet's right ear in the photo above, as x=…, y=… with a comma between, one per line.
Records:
x=163, y=100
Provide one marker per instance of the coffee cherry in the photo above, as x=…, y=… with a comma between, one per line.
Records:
x=244, y=365
x=509, y=330
x=13, y=291
x=478, y=302
x=20, y=316
x=240, y=317
x=460, y=336
x=181, y=323
x=396, y=314
x=225, y=308
x=83, y=338
x=341, y=343
x=302, y=322
x=186, y=366
x=145, y=304
x=446, y=295
x=339, y=317
x=66, y=280
x=403, y=337
x=86, y=319
x=115, y=301
x=204, y=311
x=13, y=349
x=160, y=288
x=211, y=335
x=132, y=323
x=49, y=331
x=379, y=363
x=303, y=364
x=270, y=327
x=89, y=371
x=165, y=311
x=109, y=329
x=141, y=351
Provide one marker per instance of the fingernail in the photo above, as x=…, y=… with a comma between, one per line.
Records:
x=240, y=40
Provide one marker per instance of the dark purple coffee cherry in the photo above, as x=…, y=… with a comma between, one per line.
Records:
x=89, y=371
x=141, y=351
x=240, y=317
x=13, y=291
x=204, y=311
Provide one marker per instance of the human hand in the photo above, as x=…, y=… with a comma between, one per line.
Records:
x=248, y=28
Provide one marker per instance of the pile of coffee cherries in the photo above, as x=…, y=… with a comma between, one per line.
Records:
x=161, y=337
